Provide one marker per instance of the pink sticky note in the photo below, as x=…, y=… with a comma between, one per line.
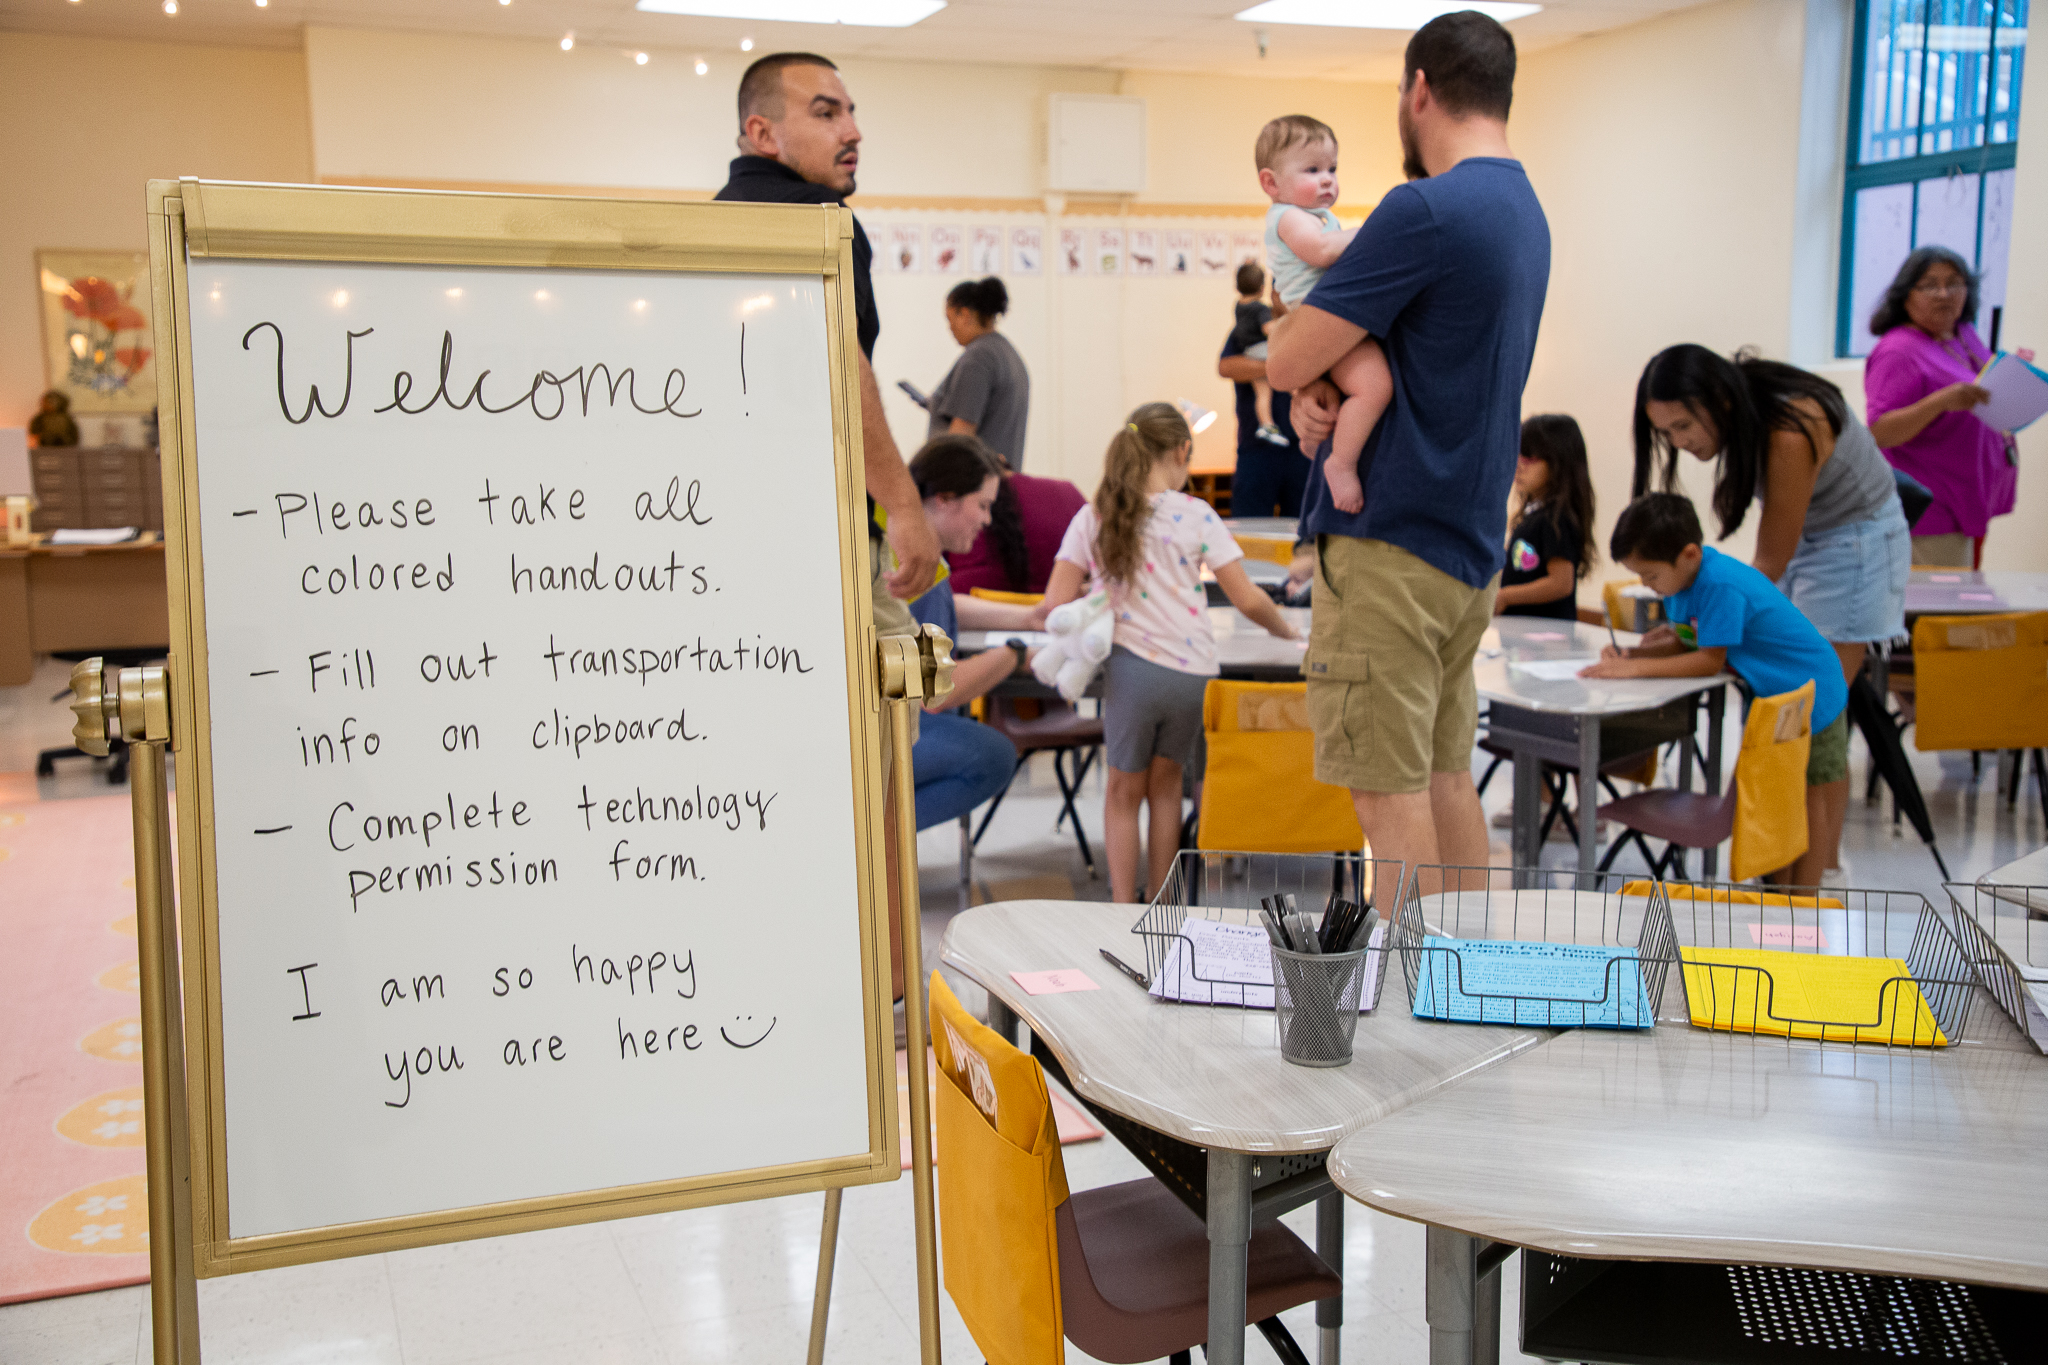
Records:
x=1544, y=635
x=1787, y=936
x=1978, y=596
x=1945, y=578
x=1057, y=982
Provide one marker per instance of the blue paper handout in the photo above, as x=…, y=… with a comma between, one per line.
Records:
x=1540, y=985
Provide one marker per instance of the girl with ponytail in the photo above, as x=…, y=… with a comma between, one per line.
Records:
x=1144, y=542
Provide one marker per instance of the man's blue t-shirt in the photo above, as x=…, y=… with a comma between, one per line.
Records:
x=1449, y=274
x=1769, y=641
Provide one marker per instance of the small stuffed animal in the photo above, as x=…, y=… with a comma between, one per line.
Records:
x=1081, y=633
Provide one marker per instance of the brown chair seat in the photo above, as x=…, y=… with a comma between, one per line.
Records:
x=1688, y=819
x=1134, y=1273
x=1059, y=727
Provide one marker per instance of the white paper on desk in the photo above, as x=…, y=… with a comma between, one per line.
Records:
x=112, y=535
x=1552, y=670
x=2019, y=393
x=1213, y=963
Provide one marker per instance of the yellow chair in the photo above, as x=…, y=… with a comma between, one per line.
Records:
x=1621, y=611
x=1260, y=794
x=1981, y=682
x=1121, y=1271
x=1272, y=549
x=1763, y=811
x=1022, y=599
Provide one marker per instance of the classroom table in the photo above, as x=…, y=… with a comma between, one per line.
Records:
x=1952, y=592
x=1244, y=651
x=77, y=598
x=1266, y=528
x=1213, y=1078
x=1680, y=1144
x=1580, y=723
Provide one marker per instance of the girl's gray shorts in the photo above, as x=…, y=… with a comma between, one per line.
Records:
x=1151, y=711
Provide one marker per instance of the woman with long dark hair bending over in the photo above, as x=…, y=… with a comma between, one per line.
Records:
x=1832, y=534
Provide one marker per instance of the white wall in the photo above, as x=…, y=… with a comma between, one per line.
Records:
x=1666, y=158
x=240, y=114
x=2017, y=542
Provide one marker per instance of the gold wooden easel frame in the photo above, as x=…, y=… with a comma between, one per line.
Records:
x=153, y=708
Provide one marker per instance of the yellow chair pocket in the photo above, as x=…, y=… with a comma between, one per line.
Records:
x=1770, y=784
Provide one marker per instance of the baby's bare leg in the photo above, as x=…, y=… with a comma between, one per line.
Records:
x=1262, y=400
x=1368, y=386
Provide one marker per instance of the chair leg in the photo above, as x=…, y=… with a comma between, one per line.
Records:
x=1181, y=1358
x=967, y=849
x=990, y=813
x=2041, y=783
x=2019, y=763
x=1067, y=794
x=1485, y=777
x=1282, y=1341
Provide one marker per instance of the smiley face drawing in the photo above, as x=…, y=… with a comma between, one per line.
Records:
x=745, y=1024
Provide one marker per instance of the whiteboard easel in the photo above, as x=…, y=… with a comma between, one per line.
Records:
x=510, y=851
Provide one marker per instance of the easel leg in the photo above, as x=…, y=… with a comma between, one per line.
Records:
x=828, y=1253
x=174, y=1291
x=914, y=1035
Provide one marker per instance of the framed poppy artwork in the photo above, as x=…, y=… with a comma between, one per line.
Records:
x=98, y=340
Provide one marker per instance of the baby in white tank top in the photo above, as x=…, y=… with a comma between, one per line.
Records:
x=1297, y=160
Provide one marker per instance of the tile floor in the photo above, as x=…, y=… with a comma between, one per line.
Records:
x=725, y=1284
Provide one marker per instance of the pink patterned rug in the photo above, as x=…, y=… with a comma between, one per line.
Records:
x=72, y=1207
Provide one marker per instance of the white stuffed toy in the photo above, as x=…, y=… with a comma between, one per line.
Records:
x=1081, y=633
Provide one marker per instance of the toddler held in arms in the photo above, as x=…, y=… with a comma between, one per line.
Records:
x=1297, y=160
x=1248, y=334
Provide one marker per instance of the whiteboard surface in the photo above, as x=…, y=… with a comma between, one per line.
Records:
x=588, y=723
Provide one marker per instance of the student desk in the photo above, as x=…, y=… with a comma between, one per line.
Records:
x=80, y=597
x=1685, y=1145
x=1213, y=1078
x=1581, y=723
x=1952, y=592
x=1243, y=650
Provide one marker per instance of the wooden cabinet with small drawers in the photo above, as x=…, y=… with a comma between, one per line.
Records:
x=81, y=487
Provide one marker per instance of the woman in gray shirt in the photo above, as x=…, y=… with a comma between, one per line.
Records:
x=1832, y=535
x=987, y=393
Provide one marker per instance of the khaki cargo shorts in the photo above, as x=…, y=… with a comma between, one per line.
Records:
x=1389, y=666
x=892, y=617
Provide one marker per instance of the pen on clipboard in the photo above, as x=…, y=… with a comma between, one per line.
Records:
x=1610, y=636
x=1126, y=968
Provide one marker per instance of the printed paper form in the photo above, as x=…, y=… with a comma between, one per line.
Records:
x=1553, y=670
x=1214, y=963
x=1806, y=995
x=2019, y=394
x=1555, y=985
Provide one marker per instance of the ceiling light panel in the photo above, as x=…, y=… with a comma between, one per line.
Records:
x=1395, y=14
x=865, y=13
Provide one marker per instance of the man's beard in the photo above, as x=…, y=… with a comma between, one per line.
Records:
x=1411, y=158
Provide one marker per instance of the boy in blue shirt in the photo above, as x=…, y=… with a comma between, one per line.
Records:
x=1725, y=614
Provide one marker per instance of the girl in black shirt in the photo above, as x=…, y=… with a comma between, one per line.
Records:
x=1551, y=545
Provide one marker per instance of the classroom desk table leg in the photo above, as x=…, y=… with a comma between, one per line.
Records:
x=1330, y=1246
x=1486, y=1319
x=1002, y=1019
x=1230, y=1230
x=1527, y=813
x=1589, y=793
x=1717, y=709
x=1462, y=1305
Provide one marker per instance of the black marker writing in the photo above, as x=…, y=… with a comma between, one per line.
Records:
x=313, y=403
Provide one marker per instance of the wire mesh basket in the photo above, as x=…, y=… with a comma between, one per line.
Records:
x=2004, y=933
x=1587, y=951
x=1226, y=889
x=1837, y=966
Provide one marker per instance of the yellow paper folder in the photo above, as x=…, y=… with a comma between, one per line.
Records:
x=1806, y=995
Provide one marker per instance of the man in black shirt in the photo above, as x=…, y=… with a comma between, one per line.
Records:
x=799, y=144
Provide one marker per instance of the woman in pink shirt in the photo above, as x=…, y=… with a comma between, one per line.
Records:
x=1919, y=386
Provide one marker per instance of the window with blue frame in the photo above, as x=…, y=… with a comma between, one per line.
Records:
x=1934, y=123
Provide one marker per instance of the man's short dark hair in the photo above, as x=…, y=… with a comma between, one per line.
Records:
x=1656, y=527
x=1470, y=61
x=761, y=86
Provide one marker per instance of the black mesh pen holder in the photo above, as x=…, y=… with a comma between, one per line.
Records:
x=1450, y=916
x=1315, y=1004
